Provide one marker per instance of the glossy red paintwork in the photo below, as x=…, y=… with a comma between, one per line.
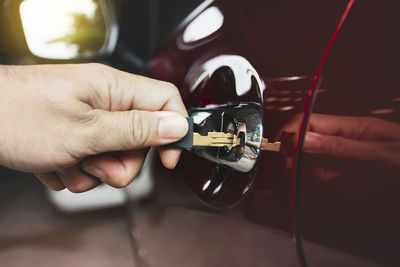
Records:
x=351, y=204
x=315, y=86
x=285, y=42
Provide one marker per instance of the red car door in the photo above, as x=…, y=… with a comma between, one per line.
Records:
x=268, y=52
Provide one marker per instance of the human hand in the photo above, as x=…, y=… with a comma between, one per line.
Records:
x=362, y=139
x=59, y=121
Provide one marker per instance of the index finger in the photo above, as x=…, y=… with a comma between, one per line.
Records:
x=153, y=95
x=115, y=90
x=353, y=127
x=149, y=94
x=125, y=91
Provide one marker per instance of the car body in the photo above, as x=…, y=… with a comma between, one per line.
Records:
x=299, y=60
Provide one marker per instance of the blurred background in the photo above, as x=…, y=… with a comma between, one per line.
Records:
x=144, y=24
x=43, y=228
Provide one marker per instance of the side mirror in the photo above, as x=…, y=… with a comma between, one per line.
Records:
x=66, y=29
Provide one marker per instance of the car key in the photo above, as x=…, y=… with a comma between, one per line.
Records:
x=219, y=139
x=212, y=139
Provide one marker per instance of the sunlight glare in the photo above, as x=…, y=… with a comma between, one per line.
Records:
x=46, y=20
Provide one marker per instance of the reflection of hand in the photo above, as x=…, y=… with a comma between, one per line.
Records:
x=242, y=128
x=355, y=138
x=58, y=121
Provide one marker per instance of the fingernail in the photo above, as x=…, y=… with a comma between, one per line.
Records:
x=94, y=171
x=312, y=142
x=172, y=127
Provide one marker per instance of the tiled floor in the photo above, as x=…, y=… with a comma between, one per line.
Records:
x=32, y=233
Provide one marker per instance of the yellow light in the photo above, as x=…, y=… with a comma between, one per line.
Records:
x=47, y=20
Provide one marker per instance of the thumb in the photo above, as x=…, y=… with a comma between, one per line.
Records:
x=340, y=147
x=135, y=129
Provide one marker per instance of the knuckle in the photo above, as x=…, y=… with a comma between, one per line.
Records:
x=79, y=186
x=97, y=66
x=93, y=68
x=56, y=187
x=172, y=89
x=74, y=189
x=85, y=134
x=340, y=147
x=103, y=75
x=361, y=127
x=111, y=77
x=138, y=131
x=121, y=182
x=53, y=185
x=369, y=120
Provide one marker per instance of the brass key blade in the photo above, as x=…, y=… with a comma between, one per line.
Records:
x=215, y=139
x=267, y=146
